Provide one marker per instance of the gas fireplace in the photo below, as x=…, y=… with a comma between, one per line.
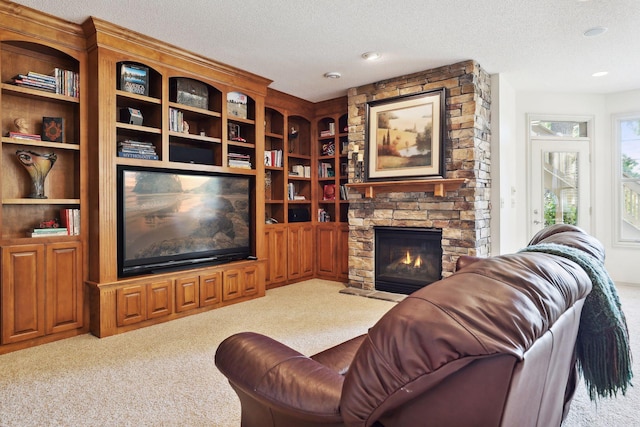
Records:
x=407, y=259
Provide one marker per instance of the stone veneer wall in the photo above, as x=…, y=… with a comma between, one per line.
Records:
x=463, y=215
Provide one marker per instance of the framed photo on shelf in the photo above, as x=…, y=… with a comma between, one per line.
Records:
x=405, y=137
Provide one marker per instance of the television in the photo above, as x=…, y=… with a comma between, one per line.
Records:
x=177, y=219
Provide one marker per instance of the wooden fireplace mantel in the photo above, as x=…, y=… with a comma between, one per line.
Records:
x=438, y=186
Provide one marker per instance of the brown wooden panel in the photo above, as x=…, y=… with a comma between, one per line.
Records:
x=211, y=288
x=22, y=292
x=187, y=293
x=131, y=305
x=231, y=284
x=293, y=257
x=306, y=250
x=64, y=301
x=159, y=299
x=250, y=281
x=326, y=253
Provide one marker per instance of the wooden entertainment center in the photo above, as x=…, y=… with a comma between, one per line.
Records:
x=58, y=286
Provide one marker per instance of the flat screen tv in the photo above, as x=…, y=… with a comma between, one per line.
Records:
x=177, y=219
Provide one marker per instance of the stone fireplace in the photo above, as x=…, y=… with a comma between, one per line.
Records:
x=407, y=258
x=462, y=215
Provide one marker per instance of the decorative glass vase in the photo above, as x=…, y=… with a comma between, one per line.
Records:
x=38, y=166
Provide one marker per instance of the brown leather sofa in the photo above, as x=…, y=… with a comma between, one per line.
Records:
x=491, y=345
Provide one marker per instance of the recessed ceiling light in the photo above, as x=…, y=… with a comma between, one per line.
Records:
x=595, y=31
x=332, y=75
x=371, y=56
x=600, y=74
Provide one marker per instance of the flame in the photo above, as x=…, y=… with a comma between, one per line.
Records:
x=407, y=259
x=418, y=262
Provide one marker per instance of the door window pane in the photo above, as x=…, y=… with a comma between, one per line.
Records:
x=568, y=129
x=560, y=182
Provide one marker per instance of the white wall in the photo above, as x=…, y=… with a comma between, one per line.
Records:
x=504, y=221
x=622, y=262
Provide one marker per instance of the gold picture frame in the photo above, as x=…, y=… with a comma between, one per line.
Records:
x=405, y=137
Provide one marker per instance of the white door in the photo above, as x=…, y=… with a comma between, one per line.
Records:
x=560, y=184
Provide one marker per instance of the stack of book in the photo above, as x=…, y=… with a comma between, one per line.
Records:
x=328, y=132
x=238, y=160
x=63, y=82
x=19, y=135
x=137, y=150
x=48, y=232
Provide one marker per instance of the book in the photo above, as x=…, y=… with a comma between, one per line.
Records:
x=138, y=156
x=134, y=79
x=45, y=232
x=18, y=135
x=50, y=230
x=52, y=129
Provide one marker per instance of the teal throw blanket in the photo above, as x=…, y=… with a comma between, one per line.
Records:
x=602, y=347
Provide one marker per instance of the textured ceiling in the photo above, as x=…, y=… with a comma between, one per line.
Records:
x=536, y=45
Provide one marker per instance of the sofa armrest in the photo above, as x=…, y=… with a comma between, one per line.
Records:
x=278, y=376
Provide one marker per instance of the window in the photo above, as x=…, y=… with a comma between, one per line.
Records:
x=559, y=128
x=627, y=168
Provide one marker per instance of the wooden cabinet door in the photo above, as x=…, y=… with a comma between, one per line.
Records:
x=294, y=269
x=343, y=252
x=249, y=280
x=300, y=251
x=306, y=250
x=159, y=299
x=131, y=304
x=187, y=293
x=326, y=251
x=276, y=243
x=211, y=288
x=231, y=284
x=64, y=286
x=23, y=292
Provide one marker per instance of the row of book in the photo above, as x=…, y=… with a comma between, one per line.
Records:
x=239, y=160
x=300, y=171
x=325, y=170
x=137, y=150
x=176, y=120
x=68, y=225
x=62, y=82
x=273, y=158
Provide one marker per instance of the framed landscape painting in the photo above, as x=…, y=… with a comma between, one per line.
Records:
x=405, y=137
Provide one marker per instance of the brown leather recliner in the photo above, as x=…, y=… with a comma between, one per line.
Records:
x=491, y=345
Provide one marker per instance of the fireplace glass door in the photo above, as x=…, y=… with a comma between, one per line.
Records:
x=407, y=259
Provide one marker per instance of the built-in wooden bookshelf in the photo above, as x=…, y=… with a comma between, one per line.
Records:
x=42, y=291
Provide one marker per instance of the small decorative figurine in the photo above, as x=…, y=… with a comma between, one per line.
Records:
x=21, y=125
x=38, y=166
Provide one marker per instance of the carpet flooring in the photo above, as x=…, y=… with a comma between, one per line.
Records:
x=164, y=375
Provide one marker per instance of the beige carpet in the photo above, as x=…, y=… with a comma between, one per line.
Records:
x=164, y=375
